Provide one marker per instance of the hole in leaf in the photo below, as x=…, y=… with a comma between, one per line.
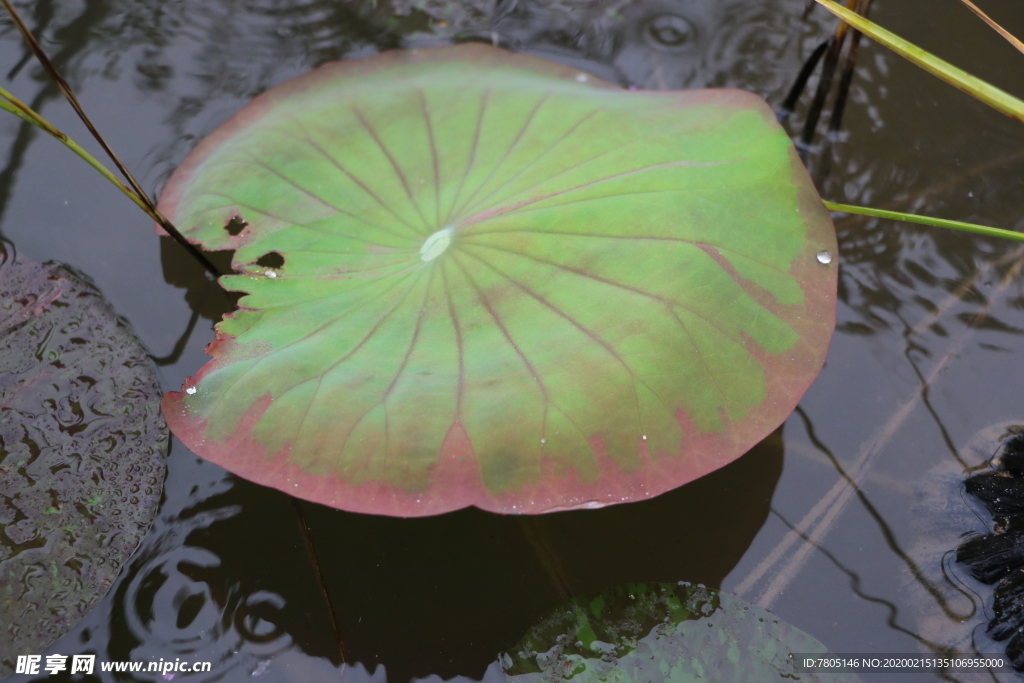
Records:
x=442, y=337
x=235, y=226
x=271, y=259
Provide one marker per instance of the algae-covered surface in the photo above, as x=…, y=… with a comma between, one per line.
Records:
x=82, y=450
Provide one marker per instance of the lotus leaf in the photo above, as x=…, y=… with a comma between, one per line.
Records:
x=82, y=449
x=662, y=633
x=479, y=278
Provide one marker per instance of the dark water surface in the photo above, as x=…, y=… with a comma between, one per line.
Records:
x=923, y=373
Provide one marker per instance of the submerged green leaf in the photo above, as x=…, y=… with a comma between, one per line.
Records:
x=480, y=278
x=662, y=633
x=82, y=448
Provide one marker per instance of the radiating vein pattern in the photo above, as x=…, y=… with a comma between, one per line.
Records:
x=502, y=286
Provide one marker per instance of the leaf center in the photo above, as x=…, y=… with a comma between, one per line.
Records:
x=436, y=244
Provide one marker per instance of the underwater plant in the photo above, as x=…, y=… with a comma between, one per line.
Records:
x=647, y=632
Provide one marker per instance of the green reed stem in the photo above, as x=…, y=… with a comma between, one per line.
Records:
x=12, y=104
x=926, y=220
x=999, y=100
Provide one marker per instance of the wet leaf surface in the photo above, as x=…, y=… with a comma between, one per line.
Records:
x=655, y=632
x=82, y=449
x=479, y=278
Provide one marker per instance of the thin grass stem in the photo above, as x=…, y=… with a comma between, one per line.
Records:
x=926, y=220
x=13, y=105
x=136, y=193
x=56, y=77
x=999, y=100
x=1010, y=38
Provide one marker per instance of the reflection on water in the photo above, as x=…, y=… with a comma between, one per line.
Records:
x=929, y=325
x=957, y=612
x=438, y=594
x=666, y=44
x=209, y=585
x=223, y=578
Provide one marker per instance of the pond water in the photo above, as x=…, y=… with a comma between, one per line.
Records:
x=838, y=522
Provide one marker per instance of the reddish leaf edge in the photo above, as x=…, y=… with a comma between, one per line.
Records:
x=456, y=481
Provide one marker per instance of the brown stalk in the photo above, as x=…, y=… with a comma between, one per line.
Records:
x=1012, y=39
x=150, y=207
x=828, y=70
x=533, y=530
x=311, y=552
x=836, y=120
x=66, y=89
x=797, y=89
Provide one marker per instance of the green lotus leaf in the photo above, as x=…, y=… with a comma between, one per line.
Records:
x=479, y=278
x=664, y=633
x=82, y=449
